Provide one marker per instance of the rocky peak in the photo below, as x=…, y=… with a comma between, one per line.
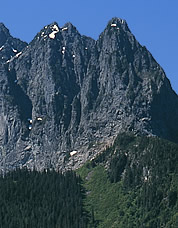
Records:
x=9, y=46
x=67, y=96
x=117, y=42
x=4, y=34
x=69, y=27
x=118, y=23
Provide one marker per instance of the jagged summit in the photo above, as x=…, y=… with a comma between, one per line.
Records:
x=65, y=97
x=3, y=28
x=117, y=26
x=70, y=26
x=9, y=46
x=67, y=25
x=68, y=29
x=54, y=32
x=4, y=34
x=118, y=22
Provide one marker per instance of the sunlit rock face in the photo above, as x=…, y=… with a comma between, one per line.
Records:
x=64, y=97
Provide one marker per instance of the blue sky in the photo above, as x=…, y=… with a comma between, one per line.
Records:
x=153, y=22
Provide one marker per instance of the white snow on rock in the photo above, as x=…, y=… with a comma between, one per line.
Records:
x=63, y=52
x=29, y=119
x=18, y=54
x=145, y=179
x=145, y=118
x=73, y=56
x=28, y=162
x=14, y=50
x=11, y=58
x=113, y=25
x=30, y=127
x=27, y=148
x=1, y=47
x=64, y=29
x=55, y=27
x=52, y=35
x=73, y=153
x=55, y=30
x=39, y=119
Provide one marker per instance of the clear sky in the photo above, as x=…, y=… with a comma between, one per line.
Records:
x=153, y=22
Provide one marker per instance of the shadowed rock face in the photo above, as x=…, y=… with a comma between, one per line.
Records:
x=65, y=94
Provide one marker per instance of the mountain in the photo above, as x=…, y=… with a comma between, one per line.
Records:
x=65, y=97
x=9, y=46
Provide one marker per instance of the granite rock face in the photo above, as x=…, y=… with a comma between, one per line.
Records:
x=64, y=97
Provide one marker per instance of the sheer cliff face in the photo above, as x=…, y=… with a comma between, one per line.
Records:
x=64, y=97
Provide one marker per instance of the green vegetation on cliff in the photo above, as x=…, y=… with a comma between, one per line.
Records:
x=133, y=184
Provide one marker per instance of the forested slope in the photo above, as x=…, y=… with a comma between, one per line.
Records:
x=134, y=183
x=41, y=200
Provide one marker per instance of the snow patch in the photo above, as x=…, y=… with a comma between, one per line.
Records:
x=55, y=27
x=64, y=29
x=30, y=120
x=18, y=54
x=30, y=127
x=145, y=179
x=14, y=50
x=52, y=35
x=73, y=152
x=55, y=30
x=29, y=161
x=113, y=25
x=1, y=47
x=145, y=118
x=27, y=148
x=73, y=56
